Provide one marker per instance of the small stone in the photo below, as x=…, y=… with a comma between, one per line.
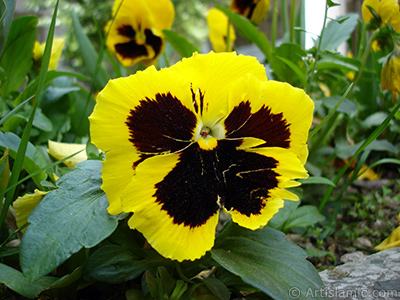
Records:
x=363, y=243
x=352, y=257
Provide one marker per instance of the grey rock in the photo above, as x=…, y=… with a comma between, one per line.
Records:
x=374, y=277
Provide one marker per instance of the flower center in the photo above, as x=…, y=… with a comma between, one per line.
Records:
x=207, y=136
x=205, y=131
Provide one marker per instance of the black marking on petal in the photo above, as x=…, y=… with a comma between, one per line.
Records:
x=154, y=41
x=130, y=50
x=194, y=100
x=241, y=181
x=241, y=6
x=127, y=31
x=160, y=125
x=263, y=124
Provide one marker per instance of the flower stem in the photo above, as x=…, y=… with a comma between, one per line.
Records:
x=292, y=20
x=228, y=36
x=274, y=23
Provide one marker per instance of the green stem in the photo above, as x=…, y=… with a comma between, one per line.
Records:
x=284, y=15
x=292, y=20
x=274, y=23
x=19, y=159
x=369, y=140
x=228, y=35
x=311, y=77
x=365, y=56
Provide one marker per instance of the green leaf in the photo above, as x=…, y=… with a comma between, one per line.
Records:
x=336, y=61
x=180, y=44
x=283, y=214
x=249, y=31
x=316, y=180
x=303, y=216
x=33, y=161
x=288, y=64
x=89, y=54
x=18, y=48
x=16, y=281
x=6, y=15
x=320, y=253
x=113, y=264
x=265, y=260
x=346, y=106
x=331, y=3
x=217, y=288
x=66, y=220
x=336, y=33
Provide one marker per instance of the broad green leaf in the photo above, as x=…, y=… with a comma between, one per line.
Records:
x=288, y=64
x=345, y=151
x=336, y=33
x=347, y=106
x=66, y=220
x=16, y=59
x=32, y=161
x=320, y=253
x=280, y=218
x=89, y=54
x=265, y=260
x=337, y=61
x=31, y=89
x=180, y=44
x=303, y=216
x=40, y=121
x=113, y=264
x=249, y=31
x=316, y=180
x=6, y=15
x=375, y=119
x=16, y=281
x=217, y=288
x=300, y=74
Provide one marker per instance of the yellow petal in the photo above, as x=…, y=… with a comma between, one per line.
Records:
x=390, y=76
x=288, y=168
x=288, y=109
x=366, y=13
x=393, y=240
x=63, y=150
x=218, y=27
x=135, y=35
x=218, y=72
x=170, y=239
x=24, y=205
x=387, y=9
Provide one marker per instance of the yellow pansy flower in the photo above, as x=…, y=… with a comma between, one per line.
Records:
x=390, y=76
x=254, y=10
x=218, y=26
x=63, y=150
x=387, y=10
x=56, y=49
x=209, y=132
x=24, y=205
x=135, y=34
x=393, y=240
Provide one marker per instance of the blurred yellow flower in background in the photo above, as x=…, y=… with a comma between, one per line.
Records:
x=387, y=10
x=218, y=26
x=254, y=10
x=390, y=77
x=135, y=34
x=56, y=49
